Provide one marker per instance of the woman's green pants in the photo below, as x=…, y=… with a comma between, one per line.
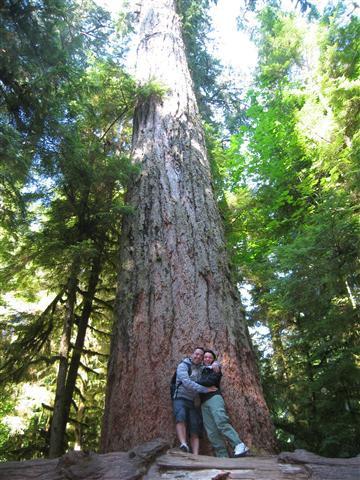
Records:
x=217, y=425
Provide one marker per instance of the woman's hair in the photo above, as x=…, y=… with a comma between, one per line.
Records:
x=212, y=353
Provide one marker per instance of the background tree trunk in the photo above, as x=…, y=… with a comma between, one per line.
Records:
x=58, y=423
x=81, y=335
x=174, y=290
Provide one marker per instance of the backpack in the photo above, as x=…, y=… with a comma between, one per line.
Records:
x=173, y=386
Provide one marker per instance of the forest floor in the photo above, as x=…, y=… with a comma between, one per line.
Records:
x=155, y=461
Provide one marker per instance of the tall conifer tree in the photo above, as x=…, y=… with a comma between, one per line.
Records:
x=175, y=289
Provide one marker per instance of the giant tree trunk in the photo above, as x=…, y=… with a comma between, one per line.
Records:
x=174, y=290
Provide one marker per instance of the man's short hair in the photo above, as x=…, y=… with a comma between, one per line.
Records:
x=199, y=348
x=212, y=353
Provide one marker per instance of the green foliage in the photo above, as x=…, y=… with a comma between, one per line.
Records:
x=77, y=221
x=204, y=68
x=291, y=176
x=279, y=48
x=42, y=44
x=215, y=95
x=75, y=142
x=151, y=89
x=25, y=422
x=6, y=407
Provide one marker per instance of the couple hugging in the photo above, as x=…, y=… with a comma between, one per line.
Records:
x=200, y=375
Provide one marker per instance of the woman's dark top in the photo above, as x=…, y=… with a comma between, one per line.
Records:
x=209, y=378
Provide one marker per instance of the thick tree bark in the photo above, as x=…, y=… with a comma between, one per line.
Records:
x=174, y=289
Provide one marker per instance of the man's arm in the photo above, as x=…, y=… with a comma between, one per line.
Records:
x=182, y=375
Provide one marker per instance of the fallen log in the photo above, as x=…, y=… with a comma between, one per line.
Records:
x=176, y=464
x=130, y=465
x=154, y=461
x=323, y=468
x=175, y=458
x=303, y=456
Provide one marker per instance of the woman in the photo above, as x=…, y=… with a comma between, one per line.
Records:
x=214, y=414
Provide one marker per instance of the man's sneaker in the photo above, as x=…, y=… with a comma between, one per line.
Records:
x=184, y=448
x=240, y=450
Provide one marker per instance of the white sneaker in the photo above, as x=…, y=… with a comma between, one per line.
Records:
x=184, y=448
x=240, y=450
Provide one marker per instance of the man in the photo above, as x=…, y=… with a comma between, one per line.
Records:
x=187, y=415
x=216, y=421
